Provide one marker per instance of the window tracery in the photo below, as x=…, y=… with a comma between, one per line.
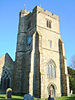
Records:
x=5, y=79
x=51, y=70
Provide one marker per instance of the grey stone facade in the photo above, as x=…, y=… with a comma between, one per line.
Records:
x=38, y=45
x=40, y=65
x=6, y=72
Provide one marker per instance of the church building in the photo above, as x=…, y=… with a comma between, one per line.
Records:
x=40, y=66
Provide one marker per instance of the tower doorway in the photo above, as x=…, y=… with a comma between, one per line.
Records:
x=51, y=91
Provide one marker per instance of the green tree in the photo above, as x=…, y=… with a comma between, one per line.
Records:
x=72, y=78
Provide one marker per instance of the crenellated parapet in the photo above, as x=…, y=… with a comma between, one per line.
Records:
x=24, y=12
x=39, y=10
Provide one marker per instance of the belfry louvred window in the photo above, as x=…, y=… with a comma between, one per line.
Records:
x=49, y=23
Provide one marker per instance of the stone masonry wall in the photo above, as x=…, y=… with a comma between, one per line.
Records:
x=46, y=53
x=65, y=86
x=30, y=74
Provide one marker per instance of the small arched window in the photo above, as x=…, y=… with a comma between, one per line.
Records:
x=51, y=70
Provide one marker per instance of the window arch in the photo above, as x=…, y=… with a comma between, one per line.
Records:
x=53, y=87
x=5, y=79
x=51, y=69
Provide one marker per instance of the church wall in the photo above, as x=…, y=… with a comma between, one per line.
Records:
x=22, y=75
x=42, y=18
x=47, y=56
x=64, y=73
x=6, y=72
x=47, y=53
x=31, y=60
x=2, y=61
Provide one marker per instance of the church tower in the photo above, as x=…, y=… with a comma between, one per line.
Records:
x=40, y=64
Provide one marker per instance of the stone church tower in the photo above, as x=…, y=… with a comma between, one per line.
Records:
x=40, y=64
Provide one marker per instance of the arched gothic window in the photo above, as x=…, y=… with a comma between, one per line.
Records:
x=5, y=79
x=51, y=69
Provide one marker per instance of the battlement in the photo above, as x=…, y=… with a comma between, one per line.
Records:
x=24, y=12
x=39, y=10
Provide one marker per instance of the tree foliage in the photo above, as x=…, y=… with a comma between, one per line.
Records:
x=72, y=78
